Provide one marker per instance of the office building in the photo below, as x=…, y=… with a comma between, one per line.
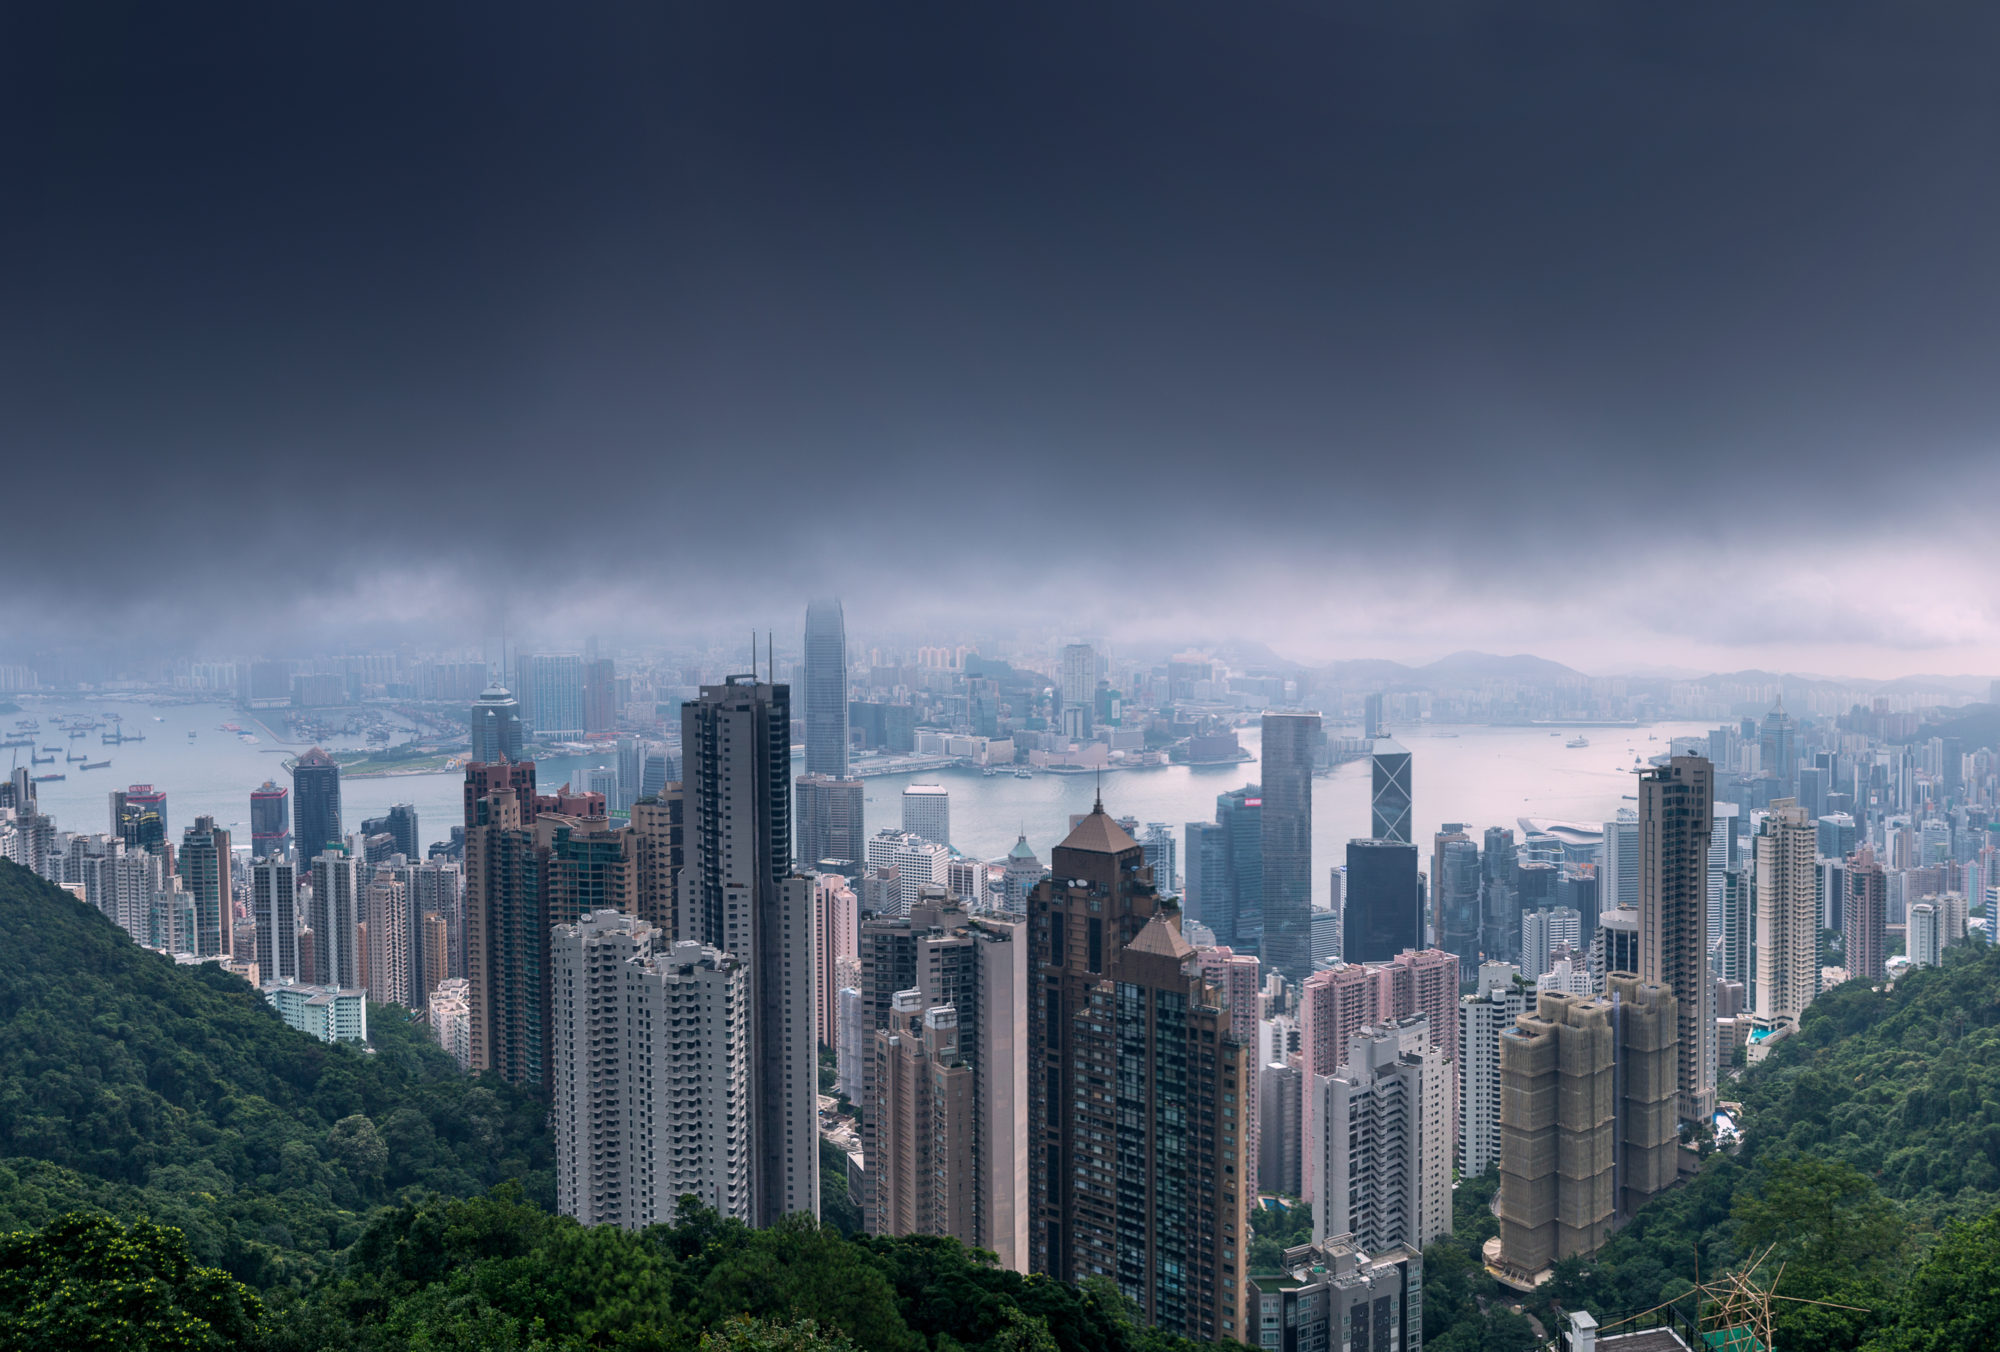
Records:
x=1837, y=835
x=830, y=820
x=138, y=817
x=1383, y=911
x=1232, y=871
x=1381, y=1140
x=1867, y=916
x=399, y=823
x=270, y=822
x=1023, y=870
x=274, y=906
x=326, y=1013
x=1336, y=1297
x=651, y=1084
x=600, y=695
x=741, y=896
x=918, y=863
x=836, y=940
x=826, y=696
x=1389, y=795
x=1325, y=936
x=1291, y=745
x=1500, y=910
x=496, y=726
x=1280, y=1129
x=203, y=867
x=1482, y=1017
x=1675, y=822
x=1787, y=909
x=1078, y=690
x=927, y=812
x=550, y=688
x=1455, y=896
x=1587, y=1121
x=941, y=958
x=1136, y=1083
x=1778, y=751
x=1618, y=871
x=316, y=806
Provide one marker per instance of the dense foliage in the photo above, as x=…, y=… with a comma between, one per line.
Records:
x=134, y=1086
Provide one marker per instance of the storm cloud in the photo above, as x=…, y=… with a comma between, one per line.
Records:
x=1613, y=332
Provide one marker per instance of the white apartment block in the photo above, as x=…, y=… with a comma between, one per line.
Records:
x=650, y=1063
x=1482, y=1018
x=1382, y=1140
x=927, y=812
x=918, y=862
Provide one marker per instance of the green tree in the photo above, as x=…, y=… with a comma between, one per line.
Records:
x=88, y=1284
x=1952, y=1302
x=744, y=1334
x=1821, y=1215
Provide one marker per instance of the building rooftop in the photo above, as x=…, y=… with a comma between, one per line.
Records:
x=1099, y=834
x=1160, y=935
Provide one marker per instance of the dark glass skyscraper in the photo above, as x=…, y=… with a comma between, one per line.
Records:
x=316, y=799
x=270, y=822
x=400, y=825
x=1384, y=911
x=1455, y=897
x=826, y=690
x=1232, y=881
x=1290, y=747
x=139, y=817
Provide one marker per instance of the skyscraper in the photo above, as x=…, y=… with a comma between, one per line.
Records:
x=1389, y=796
x=1619, y=875
x=836, y=939
x=203, y=865
x=826, y=691
x=1455, y=896
x=742, y=897
x=1289, y=750
x=1382, y=914
x=1500, y=906
x=1482, y=1018
x=600, y=695
x=927, y=812
x=1078, y=690
x=1867, y=941
x=138, y=817
x=316, y=811
x=274, y=906
x=496, y=726
x=550, y=688
x=270, y=822
x=1381, y=1140
x=1675, y=822
x=399, y=823
x=1135, y=1083
x=392, y=958
x=505, y=937
x=1777, y=752
x=1787, y=914
x=629, y=1147
x=336, y=911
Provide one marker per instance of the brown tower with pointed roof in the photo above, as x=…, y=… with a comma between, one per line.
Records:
x=1138, y=1093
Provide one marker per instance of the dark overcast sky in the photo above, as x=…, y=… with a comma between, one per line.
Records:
x=1615, y=332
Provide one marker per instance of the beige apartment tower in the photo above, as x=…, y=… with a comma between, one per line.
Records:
x=1787, y=914
x=1588, y=1089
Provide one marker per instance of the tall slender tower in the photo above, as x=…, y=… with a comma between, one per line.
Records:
x=1389, y=792
x=270, y=822
x=741, y=896
x=1867, y=914
x=316, y=804
x=1136, y=1084
x=203, y=865
x=1676, y=817
x=826, y=689
x=1787, y=921
x=1289, y=750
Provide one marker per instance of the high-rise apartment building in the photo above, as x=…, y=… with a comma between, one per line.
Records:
x=316, y=808
x=1389, y=796
x=138, y=817
x=1542, y=931
x=1867, y=916
x=1338, y=1297
x=392, y=960
x=927, y=812
x=1587, y=1120
x=1675, y=822
x=659, y=828
x=651, y=1083
x=1925, y=941
x=836, y=939
x=274, y=906
x=1078, y=689
x=335, y=914
x=1136, y=1086
x=1383, y=912
x=1787, y=908
x=831, y=821
x=506, y=940
x=923, y=1099
x=203, y=866
x=1381, y=1140
x=1482, y=1017
x=1291, y=742
x=826, y=693
x=270, y=821
x=741, y=896
x=496, y=726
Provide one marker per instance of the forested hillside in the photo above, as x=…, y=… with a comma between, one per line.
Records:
x=139, y=1087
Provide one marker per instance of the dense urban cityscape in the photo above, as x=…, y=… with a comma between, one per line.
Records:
x=1056, y=677
x=724, y=974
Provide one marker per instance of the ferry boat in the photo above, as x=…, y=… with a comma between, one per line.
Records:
x=1024, y=773
x=94, y=765
x=48, y=779
x=1577, y=741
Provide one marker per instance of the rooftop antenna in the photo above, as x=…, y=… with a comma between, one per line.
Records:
x=1099, y=805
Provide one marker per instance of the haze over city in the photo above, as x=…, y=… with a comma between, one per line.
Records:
x=1062, y=677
